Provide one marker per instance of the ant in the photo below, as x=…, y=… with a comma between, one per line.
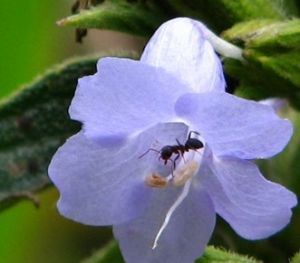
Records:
x=167, y=151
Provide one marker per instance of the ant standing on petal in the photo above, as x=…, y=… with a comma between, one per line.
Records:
x=179, y=149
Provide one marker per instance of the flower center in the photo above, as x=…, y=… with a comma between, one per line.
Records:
x=156, y=180
x=182, y=176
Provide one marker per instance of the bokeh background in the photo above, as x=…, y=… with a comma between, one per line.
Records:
x=30, y=43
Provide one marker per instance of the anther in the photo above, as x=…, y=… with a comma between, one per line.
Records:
x=156, y=180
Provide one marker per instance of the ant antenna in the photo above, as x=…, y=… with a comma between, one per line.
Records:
x=150, y=149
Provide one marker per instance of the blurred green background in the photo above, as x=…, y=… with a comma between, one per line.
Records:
x=30, y=43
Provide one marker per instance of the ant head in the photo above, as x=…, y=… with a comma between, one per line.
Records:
x=193, y=144
x=166, y=152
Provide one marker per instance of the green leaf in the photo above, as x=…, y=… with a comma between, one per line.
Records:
x=266, y=33
x=143, y=17
x=33, y=123
x=111, y=253
x=296, y=258
x=272, y=54
x=222, y=14
x=134, y=18
x=216, y=255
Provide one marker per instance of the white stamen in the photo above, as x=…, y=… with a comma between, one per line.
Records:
x=178, y=201
x=185, y=172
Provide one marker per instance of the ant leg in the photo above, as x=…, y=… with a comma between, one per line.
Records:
x=173, y=167
x=174, y=163
x=178, y=142
x=181, y=150
x=150, y=149
x=176, y=158
x=165, y=161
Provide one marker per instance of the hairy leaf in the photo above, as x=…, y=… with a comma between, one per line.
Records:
x=142, y=17
x=111, y=253
x=272, y=53
x=216, y=255
x=131, y=17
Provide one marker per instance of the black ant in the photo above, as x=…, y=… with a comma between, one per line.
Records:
x=167, y=151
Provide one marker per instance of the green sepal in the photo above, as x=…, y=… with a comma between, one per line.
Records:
x=34, y=122
x=111, y=253
x=271, y=51
x=135, y=18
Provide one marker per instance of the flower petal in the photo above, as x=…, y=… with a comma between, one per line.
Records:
x=233, y=126
x=105, y=186
x=184, y=238
x=179, y=46
x=254, y=207
x=124, y=97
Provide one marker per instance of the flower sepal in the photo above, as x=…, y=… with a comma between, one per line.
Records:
x=271, y=52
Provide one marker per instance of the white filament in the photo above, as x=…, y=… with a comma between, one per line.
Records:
x=177, y=202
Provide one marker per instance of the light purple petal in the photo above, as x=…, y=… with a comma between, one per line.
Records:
x=105, y=186
x=233, y=126
x=254, y=207
x=179, y=46
x=183, y=240
x=124, y=97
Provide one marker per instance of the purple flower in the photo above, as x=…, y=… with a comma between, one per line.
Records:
x=158, y=213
